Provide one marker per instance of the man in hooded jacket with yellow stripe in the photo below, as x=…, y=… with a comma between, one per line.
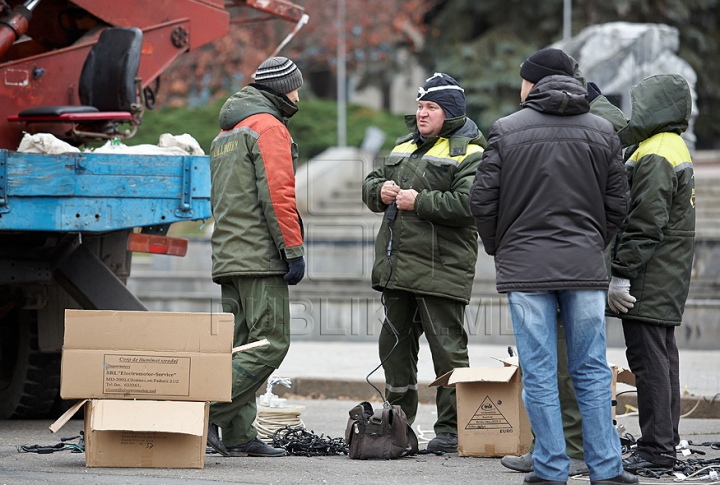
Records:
x=426, y=248
x=652, y=259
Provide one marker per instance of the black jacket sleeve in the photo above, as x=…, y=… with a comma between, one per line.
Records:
x=617, y=194
x=485, y=192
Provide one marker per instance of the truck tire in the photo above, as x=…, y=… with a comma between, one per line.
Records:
x=29, y=379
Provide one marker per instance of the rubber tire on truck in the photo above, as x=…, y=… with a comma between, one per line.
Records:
x=29, y=379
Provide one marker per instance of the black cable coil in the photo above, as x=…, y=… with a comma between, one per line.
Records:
x=299, y=441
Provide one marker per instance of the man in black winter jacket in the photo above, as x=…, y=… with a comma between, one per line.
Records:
x=547, y=198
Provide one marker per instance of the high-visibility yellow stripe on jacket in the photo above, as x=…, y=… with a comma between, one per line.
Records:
x=670, y=146
x=439, y=152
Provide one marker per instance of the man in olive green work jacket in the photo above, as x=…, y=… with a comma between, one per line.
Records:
x=652, y=259
x=257, y=242
x=426, y=248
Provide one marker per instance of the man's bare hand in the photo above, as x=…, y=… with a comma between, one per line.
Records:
x=388, y=192
x=406, y=199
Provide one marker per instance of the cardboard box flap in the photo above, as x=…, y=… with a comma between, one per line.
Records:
x=513, y=360
x=156, y=416
x=67, y=415
x=623, y=375
x=148, y=331
x=482, y=374
x=442, y=380
x=475, y=374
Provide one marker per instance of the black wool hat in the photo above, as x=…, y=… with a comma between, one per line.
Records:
x=446, y=92
x=279, y=74
x=546, y=62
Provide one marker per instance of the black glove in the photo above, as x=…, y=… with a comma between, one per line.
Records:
x=593, y=91
x=296, y=271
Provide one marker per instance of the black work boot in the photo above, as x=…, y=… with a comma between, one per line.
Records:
x=213, y=440
x=532, y=479
x=622, y=479
x=447, y=442
x=522, y=463
x=255, y=447
x=635, y=462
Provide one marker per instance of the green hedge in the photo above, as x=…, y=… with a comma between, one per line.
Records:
x=314, y=127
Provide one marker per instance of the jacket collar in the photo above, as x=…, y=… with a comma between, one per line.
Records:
x=461, y=131
x=252, y=100
x=281, y=101
x=558, y=95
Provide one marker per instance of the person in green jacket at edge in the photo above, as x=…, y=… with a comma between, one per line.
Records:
x=257, y=242
x=426, y=248
x=652, y=259
x=571, y=418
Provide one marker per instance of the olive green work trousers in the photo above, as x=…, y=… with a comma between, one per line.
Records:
x=441, y=320
x=262, y=310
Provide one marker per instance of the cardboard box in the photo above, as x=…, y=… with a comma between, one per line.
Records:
x=147, y=355
x=491, y=416
x=619, y=375
x=142, y=434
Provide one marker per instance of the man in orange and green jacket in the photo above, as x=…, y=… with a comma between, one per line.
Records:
x=257, y=241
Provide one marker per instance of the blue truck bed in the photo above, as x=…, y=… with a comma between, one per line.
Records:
x=100, y=192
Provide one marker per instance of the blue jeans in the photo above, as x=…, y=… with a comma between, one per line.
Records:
x=534, y=319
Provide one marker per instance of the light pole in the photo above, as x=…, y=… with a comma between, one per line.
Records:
x=567, y=20
x=341, y=77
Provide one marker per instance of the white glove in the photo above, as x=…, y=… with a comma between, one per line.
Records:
x=619, y=297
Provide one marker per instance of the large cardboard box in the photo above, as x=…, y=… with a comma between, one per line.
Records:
x=491, y=416
x=492, y=420
x=142, y=434
x=147, y=355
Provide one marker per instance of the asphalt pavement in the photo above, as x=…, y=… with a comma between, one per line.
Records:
x=322, y=371
x=323, y=416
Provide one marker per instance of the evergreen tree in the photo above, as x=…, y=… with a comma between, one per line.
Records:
x=483, y=43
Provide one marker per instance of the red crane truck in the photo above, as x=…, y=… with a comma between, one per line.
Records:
x=82, y=69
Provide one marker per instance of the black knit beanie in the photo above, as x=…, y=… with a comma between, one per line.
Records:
x=279, y=74
x=546, y=62
x=446, y=92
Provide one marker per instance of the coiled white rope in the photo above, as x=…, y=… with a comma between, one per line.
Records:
x=270, y=420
